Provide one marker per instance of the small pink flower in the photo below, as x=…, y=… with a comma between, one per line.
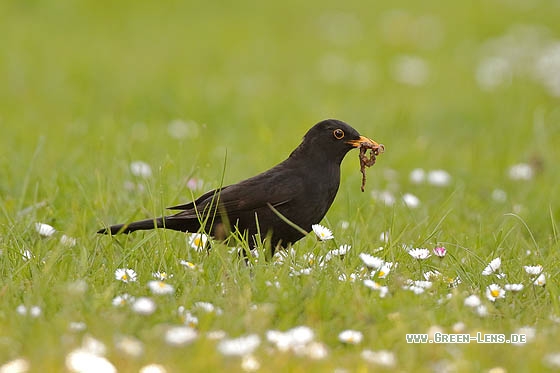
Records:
x=440, y=251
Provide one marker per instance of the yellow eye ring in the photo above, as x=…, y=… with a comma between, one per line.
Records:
x=338, y=133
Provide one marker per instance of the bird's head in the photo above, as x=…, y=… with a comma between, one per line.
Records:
x=332, y=139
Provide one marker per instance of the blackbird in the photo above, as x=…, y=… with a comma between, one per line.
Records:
x=280, y=204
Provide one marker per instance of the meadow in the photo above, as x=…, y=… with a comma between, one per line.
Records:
x=112, y=111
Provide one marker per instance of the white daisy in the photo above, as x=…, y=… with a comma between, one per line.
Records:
x=162, y=276
x=123, y=299
x=472, y=301
x=410, y=200
x=383, y=358
x=372, y=261
x=513, y=287
x=44, y=230
x=351, y=337
x=315, y=351
x=68, y=241
x=160, y=288
x=492, y=267
x=188, y=265
x=417, y=176
x=383, y=290
x=142, y=169
x=153, y=368
x=540, y=281
x=322, y=233
x=521, y=171
x=384, y=271
x=439, y=178
x=198, y=241
x=419, y=253
x=208, y=307
x=340, y=252
x=249, y=363
x=431, y=275
x=125, y=275
x=180, y=335
x=533, y=270
x=26, y=254
x=494, y=292
x=481, y=310
x=81, y=360
x=129, y=346
x=291, y=340
x=19, y=365
x=239, y=346
x=144, y=306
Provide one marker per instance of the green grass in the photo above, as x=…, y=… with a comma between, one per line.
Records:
x=89, y=88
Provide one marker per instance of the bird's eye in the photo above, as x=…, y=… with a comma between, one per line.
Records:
x=338, y=133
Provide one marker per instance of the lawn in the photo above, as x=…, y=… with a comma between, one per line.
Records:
x=112, y=111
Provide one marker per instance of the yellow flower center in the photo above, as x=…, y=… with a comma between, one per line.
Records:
x=495, y=293
x=381, y=273
x=124, y=277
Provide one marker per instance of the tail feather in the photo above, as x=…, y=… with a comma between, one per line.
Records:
x=134, y=226
x=191, y=225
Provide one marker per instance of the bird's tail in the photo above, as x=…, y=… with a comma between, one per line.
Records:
x=134, y=226
x=169, y=222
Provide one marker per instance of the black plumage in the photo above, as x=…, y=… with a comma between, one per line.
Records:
x=300, y=189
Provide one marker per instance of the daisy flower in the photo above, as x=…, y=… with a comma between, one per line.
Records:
x=123, y=299
x=44, y=230
x=340, y=252
x=160, y=288
x=351, y=337
x=249, y=363
x=208, y=307
x=540, y=281
x=382, y=358
x=383, y=290
x=533, y=270
x=322, y=233
x=125, y=275
x=431, y=275
x=384, y=271
x=188, y=264
x=82, y=360
x=144, y=306
x=494, y=292
x=68, y=241
x=440, y=251
x=439, y=178
x=492, y=267
x=419, y=253
x=241, y=346
x=180, y=335
x=162, y=276
x=19, y=365
x=371, y=261
x=472, y=301
x=142, y=169
x=410, y=200
x=153, y=368
x=513, y=287
x=198, y=241
x=293, y=339
x=481, y=310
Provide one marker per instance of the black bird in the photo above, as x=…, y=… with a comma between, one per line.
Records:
x=298, y=190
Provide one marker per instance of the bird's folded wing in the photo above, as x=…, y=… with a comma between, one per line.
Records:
x=239, y=198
